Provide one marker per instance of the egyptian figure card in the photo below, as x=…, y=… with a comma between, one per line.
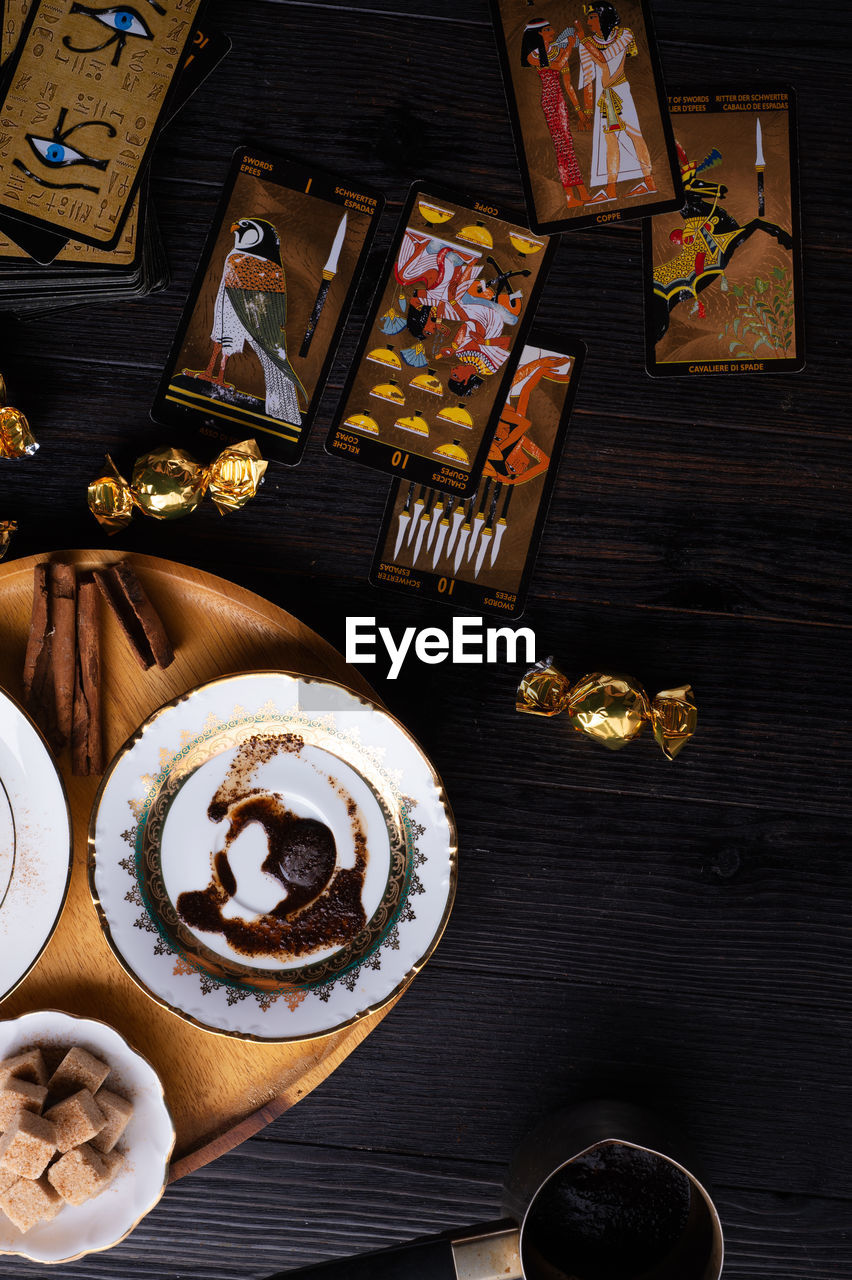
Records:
x=723, y=280
x=588, y=108
x=84, y=94
x=479, y=552
x=270, y=298
x=430, y=378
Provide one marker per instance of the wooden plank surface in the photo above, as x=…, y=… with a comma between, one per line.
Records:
x=677, y=933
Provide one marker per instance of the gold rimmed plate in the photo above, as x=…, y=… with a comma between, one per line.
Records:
x=272, y=856
x=35, y=845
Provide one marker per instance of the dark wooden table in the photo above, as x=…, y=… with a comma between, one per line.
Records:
x=674, y=934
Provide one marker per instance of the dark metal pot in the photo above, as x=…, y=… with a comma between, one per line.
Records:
x=519, y=1247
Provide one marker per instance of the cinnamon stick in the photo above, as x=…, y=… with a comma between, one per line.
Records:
x=110, y=589
x=39, y=695
x=63, y=611
x=142, y=626
x=87, y=745
x=39, y=628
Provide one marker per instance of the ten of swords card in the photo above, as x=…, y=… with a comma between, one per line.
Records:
x=588, y=109
x=479, y=552
x=723, y=277
x=426, y=388
x=83, y=97
x=270, y=299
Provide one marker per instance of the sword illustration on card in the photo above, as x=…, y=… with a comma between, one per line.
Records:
x=501, y=526
x=329, y=271
x=760, y=166
x=488, y=531
x=423, y=524
x=404, y=517
x=466, y=551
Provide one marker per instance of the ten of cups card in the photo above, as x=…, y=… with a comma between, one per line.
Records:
x=480, y=552
x=426, y=388
x=83, y=97
x=588, y=109
x=269, y=302
x=723, y=280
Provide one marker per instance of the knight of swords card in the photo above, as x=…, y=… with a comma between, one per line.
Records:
x=84, y=95
x=426, y=388
x=723, y=282
x=588, y=109
x=479, y=552
x=269, y=302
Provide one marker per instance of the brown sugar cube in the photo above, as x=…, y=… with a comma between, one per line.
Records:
x=27, y=1145
x=20, y=1095
x=25, y=1066
x=79, y=1069
x=118, y=1112
x=79, y=1175
x=77, y=1119
x=114, y=1162
x=29, y=1202
x=7, y=1180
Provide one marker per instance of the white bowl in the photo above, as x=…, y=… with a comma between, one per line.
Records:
x=147, y=1143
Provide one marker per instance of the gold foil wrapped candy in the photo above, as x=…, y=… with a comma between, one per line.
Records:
x=235, y=476
x=612, y=709
x=169, y=483
x=16, y=438
x=110, y=499
x=7, y=528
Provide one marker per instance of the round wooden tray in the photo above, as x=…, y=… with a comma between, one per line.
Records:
x=220, y=1091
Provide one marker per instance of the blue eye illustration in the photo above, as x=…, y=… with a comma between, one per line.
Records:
x=56, y=152
x=123, y=20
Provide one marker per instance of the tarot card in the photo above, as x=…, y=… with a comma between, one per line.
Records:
x=206, y=50
x=14, y=246
x=269, y=302
x=84, y=96
x=723, y=276
x=588, y=109
x=14, y=15
x=479, y=552
x=425, y=392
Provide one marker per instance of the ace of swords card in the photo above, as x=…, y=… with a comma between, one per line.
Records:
x=270, y=298
x=425, y=391
x=84, y=95
x=479, y=552
x=588, y=108
x=723, y=276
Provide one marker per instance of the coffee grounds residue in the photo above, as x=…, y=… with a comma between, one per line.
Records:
x=322, y=906
x=611, y=1214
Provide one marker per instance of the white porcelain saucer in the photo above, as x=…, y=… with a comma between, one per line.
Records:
x=327, y=755
x=35, y=845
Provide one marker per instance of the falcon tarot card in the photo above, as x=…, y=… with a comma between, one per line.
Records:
x=268, y=305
